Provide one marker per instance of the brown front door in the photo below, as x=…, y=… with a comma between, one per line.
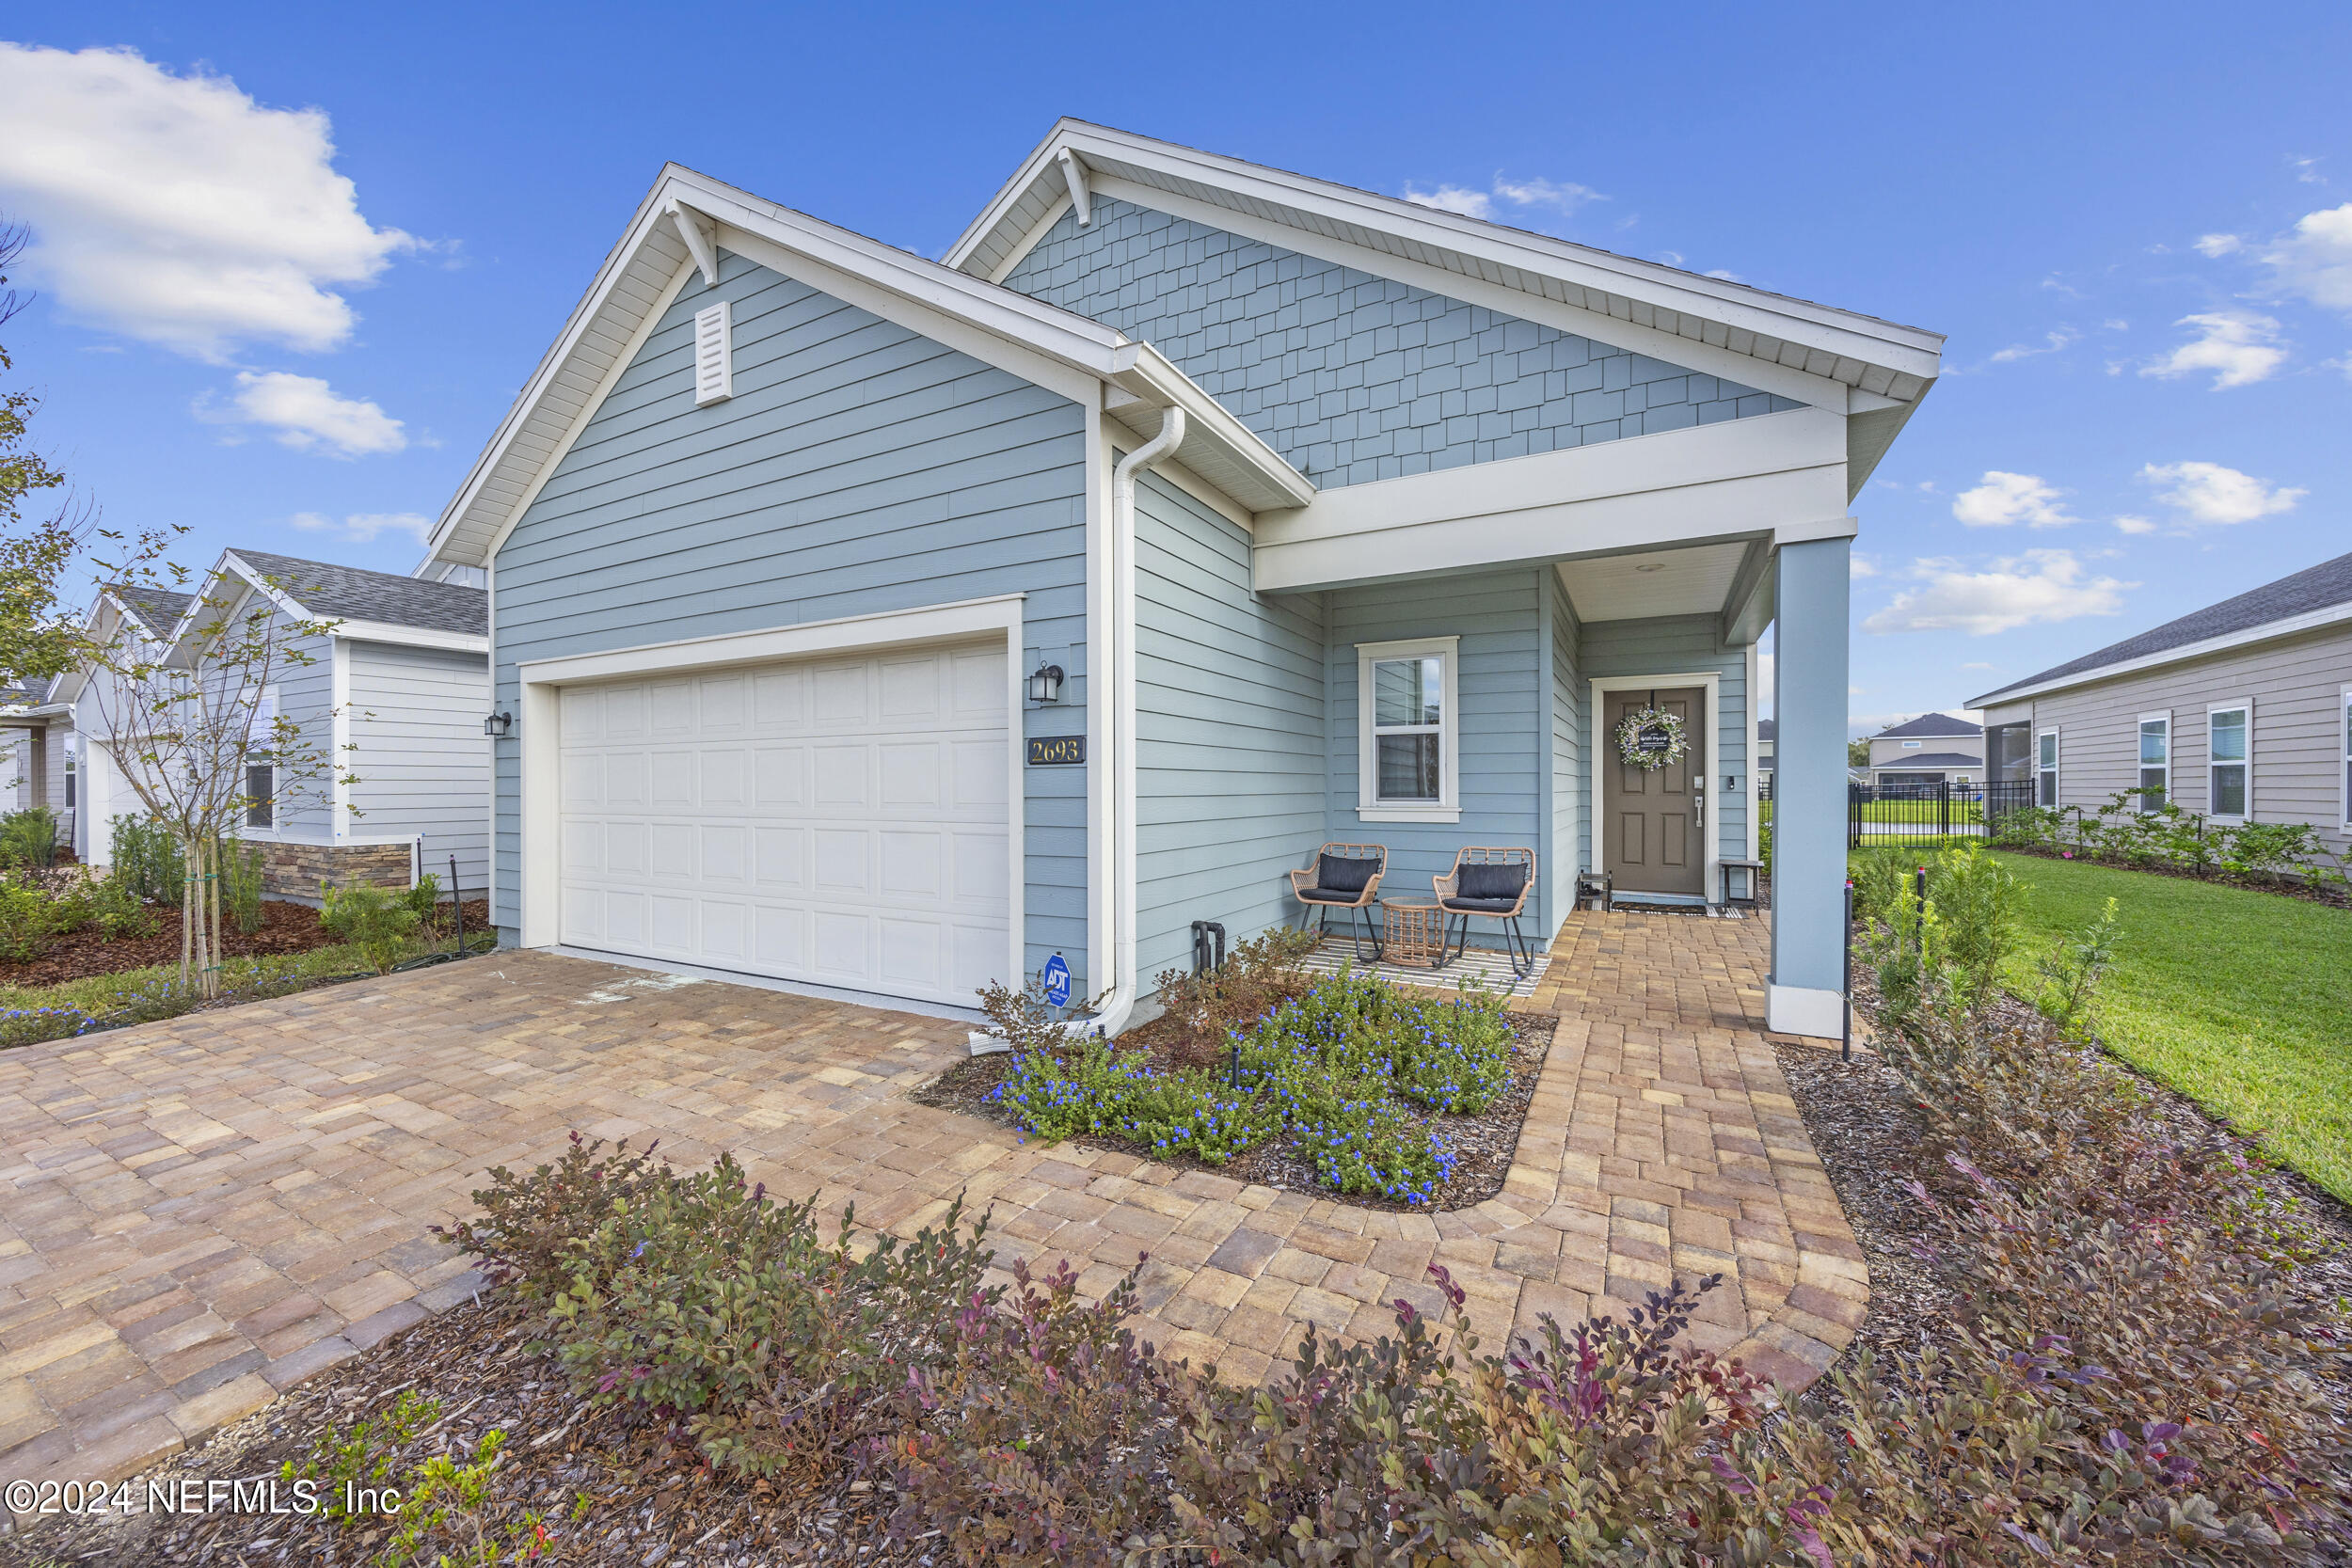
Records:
x=1651, y=821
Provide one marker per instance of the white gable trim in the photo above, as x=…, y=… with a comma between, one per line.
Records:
x=1878, y=356
x=647, y=269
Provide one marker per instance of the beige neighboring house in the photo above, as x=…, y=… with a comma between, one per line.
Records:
x=1932, y=749
x=2241, y=711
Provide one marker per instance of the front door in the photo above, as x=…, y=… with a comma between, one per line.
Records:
x=1652, y=819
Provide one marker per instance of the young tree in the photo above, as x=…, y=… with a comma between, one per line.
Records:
x=36, y=641
x=191, y=729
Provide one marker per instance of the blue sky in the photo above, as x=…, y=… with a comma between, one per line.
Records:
x=293, y=261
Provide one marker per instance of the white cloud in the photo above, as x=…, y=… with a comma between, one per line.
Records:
x=2002, y=498
x=2313, y=261
x=1859, y=565
x=175, y=209
x=1564, y=196
x=2209, y=493
x=1672, y=258
x=2238, y=346
x=2052, y=343
x=1979, y=665
x=2307, y=170
x=365, y=528
x=1455, y=198
x=2039, y=586
x=303, y=412
x=1725, y=274
x=1560, y=196
x=2218, y=245
x=2135, y=525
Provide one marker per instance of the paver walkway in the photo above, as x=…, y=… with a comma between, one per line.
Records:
x=194, y=1214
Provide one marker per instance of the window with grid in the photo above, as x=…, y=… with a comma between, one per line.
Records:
x=2047, y=769
x=2229, y=758
x=1408, y=696
x=2156, y=759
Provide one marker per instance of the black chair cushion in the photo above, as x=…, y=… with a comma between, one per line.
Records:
x=1490, y=879
x=1481, y=906
x=1328, y=896
x=1347, y=874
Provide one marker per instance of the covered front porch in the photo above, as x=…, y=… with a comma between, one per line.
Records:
x=1492, y=708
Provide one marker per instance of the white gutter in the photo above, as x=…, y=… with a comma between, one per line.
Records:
x=1125, y=984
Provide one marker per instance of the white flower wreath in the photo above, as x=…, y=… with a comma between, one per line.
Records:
x=1645, y=721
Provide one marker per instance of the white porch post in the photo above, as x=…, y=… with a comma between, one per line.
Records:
x=1809, y=676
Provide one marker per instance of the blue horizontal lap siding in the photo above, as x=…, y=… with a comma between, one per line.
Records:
x=1229, y=731
x=1568, y=753
x=1677, y=644
x=1352, y=377
x=1504, y=763
x=859, y=468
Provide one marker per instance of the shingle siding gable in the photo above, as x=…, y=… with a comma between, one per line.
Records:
x=1354, y=377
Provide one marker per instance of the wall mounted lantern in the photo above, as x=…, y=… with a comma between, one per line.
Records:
x=1045, y=685
x=498, y=725
x=1731, y=784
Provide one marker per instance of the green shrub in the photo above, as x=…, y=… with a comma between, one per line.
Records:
x=240, y=884
x=376, y=920
x=1977, y=901
x=28, y=918
x=146, y=856
x=29, y=838
x=2071, y=972
x=425, y=898
x=1259, y=976
x=106, y=905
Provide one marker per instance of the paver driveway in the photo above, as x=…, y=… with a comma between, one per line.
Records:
x=194, y=1214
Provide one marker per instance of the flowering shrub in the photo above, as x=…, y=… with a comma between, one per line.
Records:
x=1345, y=1071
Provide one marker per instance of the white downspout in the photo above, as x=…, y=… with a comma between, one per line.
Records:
x=1118, y=1006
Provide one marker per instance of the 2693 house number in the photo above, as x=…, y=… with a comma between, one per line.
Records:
x=1059, y=750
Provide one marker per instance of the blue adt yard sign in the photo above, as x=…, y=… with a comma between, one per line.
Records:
x=1057, y=981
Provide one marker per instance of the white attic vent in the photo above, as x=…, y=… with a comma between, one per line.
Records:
x=714, y=356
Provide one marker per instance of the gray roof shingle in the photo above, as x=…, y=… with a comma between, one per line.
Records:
x=1928, y=724
x=2320, y=587
x=160, y=608
x=328, y=591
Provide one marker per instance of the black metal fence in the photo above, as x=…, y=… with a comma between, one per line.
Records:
x=1893, y=816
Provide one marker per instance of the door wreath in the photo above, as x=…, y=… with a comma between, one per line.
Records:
x=1651, y=738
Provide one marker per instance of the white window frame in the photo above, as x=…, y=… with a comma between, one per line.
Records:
x=1911, y=745
x=261, y=803
x=2240, y=705
x=1446, y=807
x=2139, y=767
x=2058, y=759
x=2343, y=771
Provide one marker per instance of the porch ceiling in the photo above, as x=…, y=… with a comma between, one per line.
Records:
x=1693, y=581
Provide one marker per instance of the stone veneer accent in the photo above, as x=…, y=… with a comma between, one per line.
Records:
x=296, y=870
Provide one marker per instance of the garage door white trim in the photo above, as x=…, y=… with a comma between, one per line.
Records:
x=539, y=719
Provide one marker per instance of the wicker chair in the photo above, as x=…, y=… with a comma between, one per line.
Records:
x=1339, y=879
x=1493, y=884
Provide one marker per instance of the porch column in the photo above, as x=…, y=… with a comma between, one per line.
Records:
x=1809, y=679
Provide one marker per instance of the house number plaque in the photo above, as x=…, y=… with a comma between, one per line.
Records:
x=1059, y=750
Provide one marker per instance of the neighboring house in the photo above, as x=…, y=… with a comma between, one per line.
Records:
x=2241, y=711
x=1934, y=747
x=393, y=688
x=45, y=743
x=878, y=624
x=1764, y=758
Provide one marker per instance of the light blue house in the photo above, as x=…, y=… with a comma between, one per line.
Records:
x=869, y=622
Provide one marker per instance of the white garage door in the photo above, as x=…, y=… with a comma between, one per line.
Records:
x=837, y=820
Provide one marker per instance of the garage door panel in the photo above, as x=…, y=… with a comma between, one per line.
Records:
x=839, y=695
x=980, y=775
x=725, y=852
x=780, y=860
x=722, y=782
x=838, y=820
x=909, y=775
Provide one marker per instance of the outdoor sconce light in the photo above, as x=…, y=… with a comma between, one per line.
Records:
x=1731, y=784
x=1045, y=685
x=498, y=725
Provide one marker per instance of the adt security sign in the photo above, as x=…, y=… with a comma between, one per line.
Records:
x=1057, y=981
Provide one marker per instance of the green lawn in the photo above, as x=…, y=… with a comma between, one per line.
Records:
x=2240, y=1000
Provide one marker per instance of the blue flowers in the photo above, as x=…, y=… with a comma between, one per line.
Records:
x=1346, y=1074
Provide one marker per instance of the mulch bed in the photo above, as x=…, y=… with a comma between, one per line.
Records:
x=1484, y=1144
x=285, y=928
x=652, y=1503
